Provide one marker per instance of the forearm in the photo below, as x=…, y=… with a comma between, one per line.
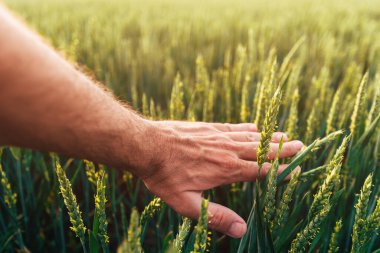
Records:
x=46, y=104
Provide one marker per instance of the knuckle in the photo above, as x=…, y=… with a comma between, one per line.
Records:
x=227, y=144
x=230, y=162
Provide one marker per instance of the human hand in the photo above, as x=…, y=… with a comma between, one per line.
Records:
x=196, y=156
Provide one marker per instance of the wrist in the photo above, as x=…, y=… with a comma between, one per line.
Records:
x=146, y=149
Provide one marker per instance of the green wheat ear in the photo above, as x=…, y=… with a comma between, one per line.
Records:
x=152, y=109
x=332, y=117
x=269, y=127
x=375, y=107
x=91, y=173
x=71, y=204
x=361, y=206
x=183, y=231
x=200, y=244
x=311, y=122
x=244, y=107
x=100, y=207
x=134, y=232
x=334, y=244
x=176, y=107
x=283, y=210
x=270, y=196
x=145, y=105
x=151, y=210
x=304, y=237
x=356, y=114
x=322, y=197
x=372, y=223
x=292, y=122
x=10, y=198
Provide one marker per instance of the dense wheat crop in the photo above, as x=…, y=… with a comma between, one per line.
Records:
x=309, y=68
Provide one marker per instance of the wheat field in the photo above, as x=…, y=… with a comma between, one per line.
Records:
x=308, y=68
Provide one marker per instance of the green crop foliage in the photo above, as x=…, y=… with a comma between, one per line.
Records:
x=308, y=68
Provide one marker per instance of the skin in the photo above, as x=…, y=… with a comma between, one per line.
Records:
x=48, y=105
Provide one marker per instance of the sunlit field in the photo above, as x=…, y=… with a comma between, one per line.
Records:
x=308, y=68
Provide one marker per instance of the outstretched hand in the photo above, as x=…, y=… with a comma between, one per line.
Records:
x=197, y=156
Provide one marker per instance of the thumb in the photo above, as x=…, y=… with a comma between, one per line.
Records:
x=225, y=220
x=220, y=218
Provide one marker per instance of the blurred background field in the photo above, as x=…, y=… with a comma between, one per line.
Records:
x=217, y=61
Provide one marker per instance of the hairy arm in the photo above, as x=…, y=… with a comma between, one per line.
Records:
x=46, y=104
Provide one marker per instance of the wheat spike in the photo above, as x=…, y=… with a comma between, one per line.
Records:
x=145, y=105
x=183, y=231
x=270, y=196
x=200, y=244
x=283, y=209
x=331, y=119
x=259, y=103
x=334, y=244
x=339, y=154
x=134, y=232
x=358, y=105
x=269, y=127
x=71, y=204
x=311, y=122
x=293, y=117
x=92, y=174
x=100, y=207
x=372, y=224
x=375, y=107
x=244, y=109
x=151, y=210
x=152, y=109
x=10, y=198
x=322, y=197
x=361, y=215
x=304, y=237
x=176, y=107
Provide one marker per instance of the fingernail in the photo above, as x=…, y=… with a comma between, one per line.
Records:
x=237, y=229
